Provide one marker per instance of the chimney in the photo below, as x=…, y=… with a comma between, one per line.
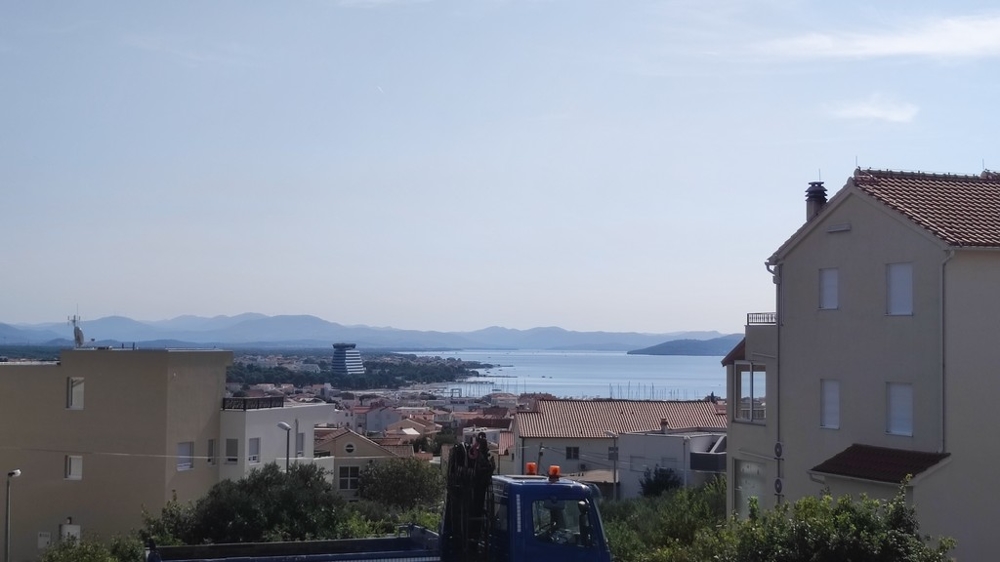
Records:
x=664, y=426
x=815, y=199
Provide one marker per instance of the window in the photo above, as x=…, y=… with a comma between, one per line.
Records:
x=185, y=455
x=749, y=484
x=829, y=403
x=232, y=451
x=572, y=453
x=829, y=296
x=612, y=453
x=74, y=467
x=899, y=289
x=253, y=450
x=899, y=408
x=349, y=477
x=74, y=393
x=562, y=522
x=349, y=448
x=752, y=381
x=211, y=451
x=300, y=444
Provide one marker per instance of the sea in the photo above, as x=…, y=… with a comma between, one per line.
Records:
x=590, y=374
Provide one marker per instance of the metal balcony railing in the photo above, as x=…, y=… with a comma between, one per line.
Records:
x=762, y=318
x=261, y=403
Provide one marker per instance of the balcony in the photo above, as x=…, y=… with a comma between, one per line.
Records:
x=759, y=318
x=261, y=403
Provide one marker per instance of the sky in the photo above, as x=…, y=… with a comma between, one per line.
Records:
x=458, y=164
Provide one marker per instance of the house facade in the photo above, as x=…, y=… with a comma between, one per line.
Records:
x=870, y=370
x=585, y=437
x=103, y=434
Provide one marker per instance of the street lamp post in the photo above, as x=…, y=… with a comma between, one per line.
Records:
x=288, y=437
x=6, y=526
x=614, y=436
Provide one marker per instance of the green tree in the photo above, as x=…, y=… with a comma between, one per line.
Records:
x=121, y=549
x=656, y=481
x=405, y=483
x=267, y=504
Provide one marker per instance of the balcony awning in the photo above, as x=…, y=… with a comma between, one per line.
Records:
x=879, y=464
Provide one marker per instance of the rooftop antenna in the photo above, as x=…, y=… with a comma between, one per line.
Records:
x=77, y=332
x=856, y=161
x=819, y=174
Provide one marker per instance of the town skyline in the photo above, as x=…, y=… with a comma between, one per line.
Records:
x=450, y=165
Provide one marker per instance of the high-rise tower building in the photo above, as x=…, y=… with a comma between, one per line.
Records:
x=347, y=360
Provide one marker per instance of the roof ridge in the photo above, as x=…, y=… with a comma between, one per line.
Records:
x=864, y=174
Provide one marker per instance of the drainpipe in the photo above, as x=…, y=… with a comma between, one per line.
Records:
x=944, y=348
x=775, y=270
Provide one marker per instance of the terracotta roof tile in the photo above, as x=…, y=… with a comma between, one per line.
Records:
x=506, y=442
x=591, y=418
x=880, y=464
x=960, y=210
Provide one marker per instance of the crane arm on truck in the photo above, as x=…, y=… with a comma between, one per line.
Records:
x=465, y=525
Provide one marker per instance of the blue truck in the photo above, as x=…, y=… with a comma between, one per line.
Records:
x=487, y=518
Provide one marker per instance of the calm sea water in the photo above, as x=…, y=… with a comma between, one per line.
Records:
x=593, y=374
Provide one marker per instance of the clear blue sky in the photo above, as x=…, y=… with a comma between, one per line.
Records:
x=451, y=165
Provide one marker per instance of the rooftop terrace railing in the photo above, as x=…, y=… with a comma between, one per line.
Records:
x=762, y=318
x=260, y=403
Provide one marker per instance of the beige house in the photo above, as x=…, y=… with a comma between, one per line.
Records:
x=345, y=454
x=879, y=354
x=586, y=438
x=104, y=433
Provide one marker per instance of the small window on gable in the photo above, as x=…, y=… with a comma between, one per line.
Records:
x=899, y=408
x=74, y=393
x=349, y=448
x=74, y=467
x=899, y=289
x=829, y=291
x=829, y=403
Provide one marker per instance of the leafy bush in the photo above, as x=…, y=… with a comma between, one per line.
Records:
x=656, y=481
x=404, y=483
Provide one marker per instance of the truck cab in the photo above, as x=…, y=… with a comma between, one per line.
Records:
x=545, y=518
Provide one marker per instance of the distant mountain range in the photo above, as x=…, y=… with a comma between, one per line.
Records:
x=304, y=331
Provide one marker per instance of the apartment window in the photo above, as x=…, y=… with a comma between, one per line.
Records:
x=572, y=453
x=253, y=450
x=74, y=467
x=899, y=289
x=74, y=393
x=752, y=391
x=899, y=408
x=232, y=451
x=829, y=403
x=829, y=295
x=211, y=451
x=300, y=444
x=185, y=455
x=749, y=484
x=349, y=477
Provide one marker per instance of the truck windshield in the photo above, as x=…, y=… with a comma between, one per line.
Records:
x=562, y=521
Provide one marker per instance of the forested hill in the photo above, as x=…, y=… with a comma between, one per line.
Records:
x=716, y=346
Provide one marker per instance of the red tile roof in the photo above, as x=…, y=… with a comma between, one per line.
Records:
x=591, y=418
x=880, y=464
x=506, y=442
x=960, y=210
